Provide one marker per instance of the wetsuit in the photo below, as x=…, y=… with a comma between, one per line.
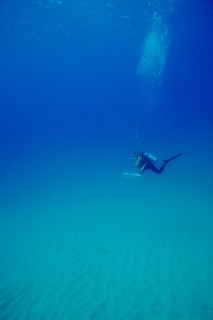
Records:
x=144, y=163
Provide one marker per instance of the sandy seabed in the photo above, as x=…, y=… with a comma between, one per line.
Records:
x=105, y=266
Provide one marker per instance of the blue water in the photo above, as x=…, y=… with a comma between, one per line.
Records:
x=83, y=84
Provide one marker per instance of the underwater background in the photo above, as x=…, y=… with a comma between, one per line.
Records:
x=83, y=85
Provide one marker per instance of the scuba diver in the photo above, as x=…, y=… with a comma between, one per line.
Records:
x=144, y=161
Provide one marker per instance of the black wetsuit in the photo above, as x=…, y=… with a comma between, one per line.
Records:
x=144, y=163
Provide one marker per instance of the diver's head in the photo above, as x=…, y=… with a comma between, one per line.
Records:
x=135, y=154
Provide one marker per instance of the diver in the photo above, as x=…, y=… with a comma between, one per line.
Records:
x=144, y=161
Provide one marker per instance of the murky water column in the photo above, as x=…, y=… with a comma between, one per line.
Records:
x=154, y=48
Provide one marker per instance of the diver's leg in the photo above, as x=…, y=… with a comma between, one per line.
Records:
x=152, y=167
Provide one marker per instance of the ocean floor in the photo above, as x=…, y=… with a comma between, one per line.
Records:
x=101, y=258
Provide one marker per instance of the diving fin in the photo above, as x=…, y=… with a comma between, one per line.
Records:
x=177, y=155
